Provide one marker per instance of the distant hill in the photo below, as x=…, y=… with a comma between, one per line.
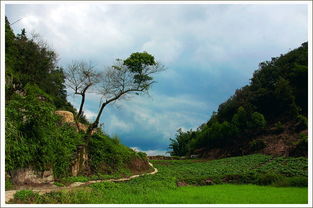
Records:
x=267, y=116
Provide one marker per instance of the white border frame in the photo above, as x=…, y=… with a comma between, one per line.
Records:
x=308, y=3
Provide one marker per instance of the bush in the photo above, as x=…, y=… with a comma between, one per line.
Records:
x=58, y=184
x=8, y=184
x=73, y=179
x=143, y=155
x=36, y=137
x=104, y=185
x=256, y=145
x=257, y=121
x=26, y=195
x=301, y=146
x=279, y=128
x=267, y=179
x=302, y=123
x=297, y=181
x=107, y=156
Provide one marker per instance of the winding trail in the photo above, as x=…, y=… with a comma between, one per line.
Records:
x=51, y=187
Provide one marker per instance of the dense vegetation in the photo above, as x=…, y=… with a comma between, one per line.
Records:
x=276, y=97
x=182, y=181
x=36, y=137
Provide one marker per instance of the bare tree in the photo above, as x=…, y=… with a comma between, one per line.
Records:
x=126, y=77
x=80, y=76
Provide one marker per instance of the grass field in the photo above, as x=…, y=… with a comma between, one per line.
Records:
x=237, y=180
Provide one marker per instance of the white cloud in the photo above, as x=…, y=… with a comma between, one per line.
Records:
x=116, y=125
x=163, y=114
x=166, y=50
x=151, y=152
x=90, y=115
x=219, y=40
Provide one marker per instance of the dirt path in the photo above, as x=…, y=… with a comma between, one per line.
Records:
x=51, y=187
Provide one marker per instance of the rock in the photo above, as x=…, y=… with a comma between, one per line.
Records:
x=209, y=182
x=67, y=116
x=80, y=160
x=181, y=183
x=30, y=176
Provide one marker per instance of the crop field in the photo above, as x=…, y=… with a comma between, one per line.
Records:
x=252, y=179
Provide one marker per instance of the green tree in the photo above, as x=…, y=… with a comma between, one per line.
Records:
x=31, y=61
x=130, y=76
x=257, y=121
x=180, y=145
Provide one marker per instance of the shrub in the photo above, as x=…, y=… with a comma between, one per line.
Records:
x=105, y=185
x=35, y=135
x=301, y=146
x=302, y=123
x=257, y=121
x=73, y=179
x=8, y=184
x=107, y=156
x=58, y=184
x=143, y=155
x=256, y=145
x=267, y=179
x=297, y=181
x=26, y=195
x=278, y=127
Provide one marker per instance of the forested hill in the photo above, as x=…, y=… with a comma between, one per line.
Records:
x=269, y=115
x=40, y=141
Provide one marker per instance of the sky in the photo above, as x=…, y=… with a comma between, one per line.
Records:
x=209, y=51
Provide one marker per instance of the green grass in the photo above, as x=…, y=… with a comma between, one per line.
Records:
x=162, y=188
x=234, y=194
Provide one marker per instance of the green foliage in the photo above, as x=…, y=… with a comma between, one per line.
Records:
x=105, y=185
x=240, y=118
x=139, y=63
x=278, y=91
x=301, y=146
x=8, y=184
x=72, y=179
x=302, y=122
x=179, y=145
x=256, y=145
x=31, y=61
x=267, y=179
x=142, y=155
x=257, y=121
x=35, y=136
x=162, y=187
x=217, y=194
x=108, y=156
x=217, y=134
x=279, y=127
x=58, y=184
x=26, y=195
x=296, y=181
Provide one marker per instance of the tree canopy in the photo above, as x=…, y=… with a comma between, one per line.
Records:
x=277, y=93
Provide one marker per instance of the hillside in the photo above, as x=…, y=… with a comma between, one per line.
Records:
x=267, y=116
x=41, y=144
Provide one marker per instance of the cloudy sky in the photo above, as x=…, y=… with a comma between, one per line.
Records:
x=209, y=51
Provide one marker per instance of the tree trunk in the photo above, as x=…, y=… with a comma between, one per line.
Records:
x=95, y=124
x=81, y=106
x=80, y=164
